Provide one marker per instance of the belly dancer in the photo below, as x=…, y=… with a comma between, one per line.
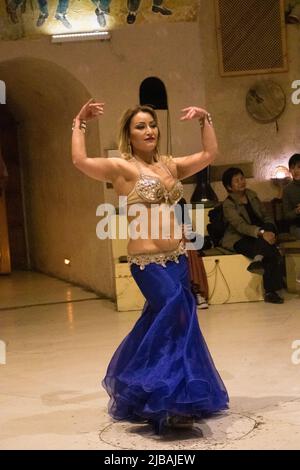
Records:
x=162, y=372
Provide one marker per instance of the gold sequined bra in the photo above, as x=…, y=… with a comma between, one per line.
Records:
x=143, y=259
x=150, y=189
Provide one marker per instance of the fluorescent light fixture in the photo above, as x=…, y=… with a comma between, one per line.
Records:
x=87, y=36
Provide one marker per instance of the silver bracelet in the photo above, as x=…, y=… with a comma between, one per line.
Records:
x=208, y=118
x=81, y=127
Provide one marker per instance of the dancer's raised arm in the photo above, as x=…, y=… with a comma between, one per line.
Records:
x=103, y=169
x=191, y=164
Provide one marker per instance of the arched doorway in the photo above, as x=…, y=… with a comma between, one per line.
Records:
x=59, y=203
x=13, y=252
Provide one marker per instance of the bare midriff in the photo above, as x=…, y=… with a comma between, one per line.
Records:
x=163, y=237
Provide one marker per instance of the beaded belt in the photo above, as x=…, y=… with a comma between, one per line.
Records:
x=158, y=258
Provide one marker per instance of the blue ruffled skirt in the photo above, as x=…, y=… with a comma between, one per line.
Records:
x=163, y=367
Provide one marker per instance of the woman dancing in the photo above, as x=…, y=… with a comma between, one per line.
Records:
x=162, y=372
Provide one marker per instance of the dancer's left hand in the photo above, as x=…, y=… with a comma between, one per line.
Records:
x=192, y=112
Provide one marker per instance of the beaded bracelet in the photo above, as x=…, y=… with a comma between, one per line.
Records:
x=208, y=118
x=81, y=127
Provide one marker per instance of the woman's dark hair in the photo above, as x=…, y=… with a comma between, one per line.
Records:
x=294, y=160
x=229, y=174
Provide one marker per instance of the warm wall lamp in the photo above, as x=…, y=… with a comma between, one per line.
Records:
x=87, y=36
x=281, y=172
x=281, y=177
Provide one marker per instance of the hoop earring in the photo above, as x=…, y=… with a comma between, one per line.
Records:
x=157, y=154
x=129, y=149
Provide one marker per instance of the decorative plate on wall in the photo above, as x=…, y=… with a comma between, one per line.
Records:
x=265, y=101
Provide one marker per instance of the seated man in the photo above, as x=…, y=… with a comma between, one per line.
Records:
x=252, y=233
x=291, y=197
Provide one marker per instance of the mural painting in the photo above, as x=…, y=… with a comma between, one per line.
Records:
x=31, y=18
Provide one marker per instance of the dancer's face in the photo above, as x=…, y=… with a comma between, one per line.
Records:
x=238, y=183
x=143, y=133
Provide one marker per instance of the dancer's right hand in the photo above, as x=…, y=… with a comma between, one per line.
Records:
x=90, y=110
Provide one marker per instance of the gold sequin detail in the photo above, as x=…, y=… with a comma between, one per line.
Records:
x=144, y=259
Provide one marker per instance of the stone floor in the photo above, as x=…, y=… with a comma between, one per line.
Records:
x=58, y=339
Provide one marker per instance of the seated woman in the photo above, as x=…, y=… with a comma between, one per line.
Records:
x=252, y=233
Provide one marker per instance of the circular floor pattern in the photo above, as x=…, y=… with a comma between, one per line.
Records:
x=205, y=434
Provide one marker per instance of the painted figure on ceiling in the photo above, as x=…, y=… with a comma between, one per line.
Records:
x=157, y=7
x=102, y=9
x=12, y=7
x=60, y=14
